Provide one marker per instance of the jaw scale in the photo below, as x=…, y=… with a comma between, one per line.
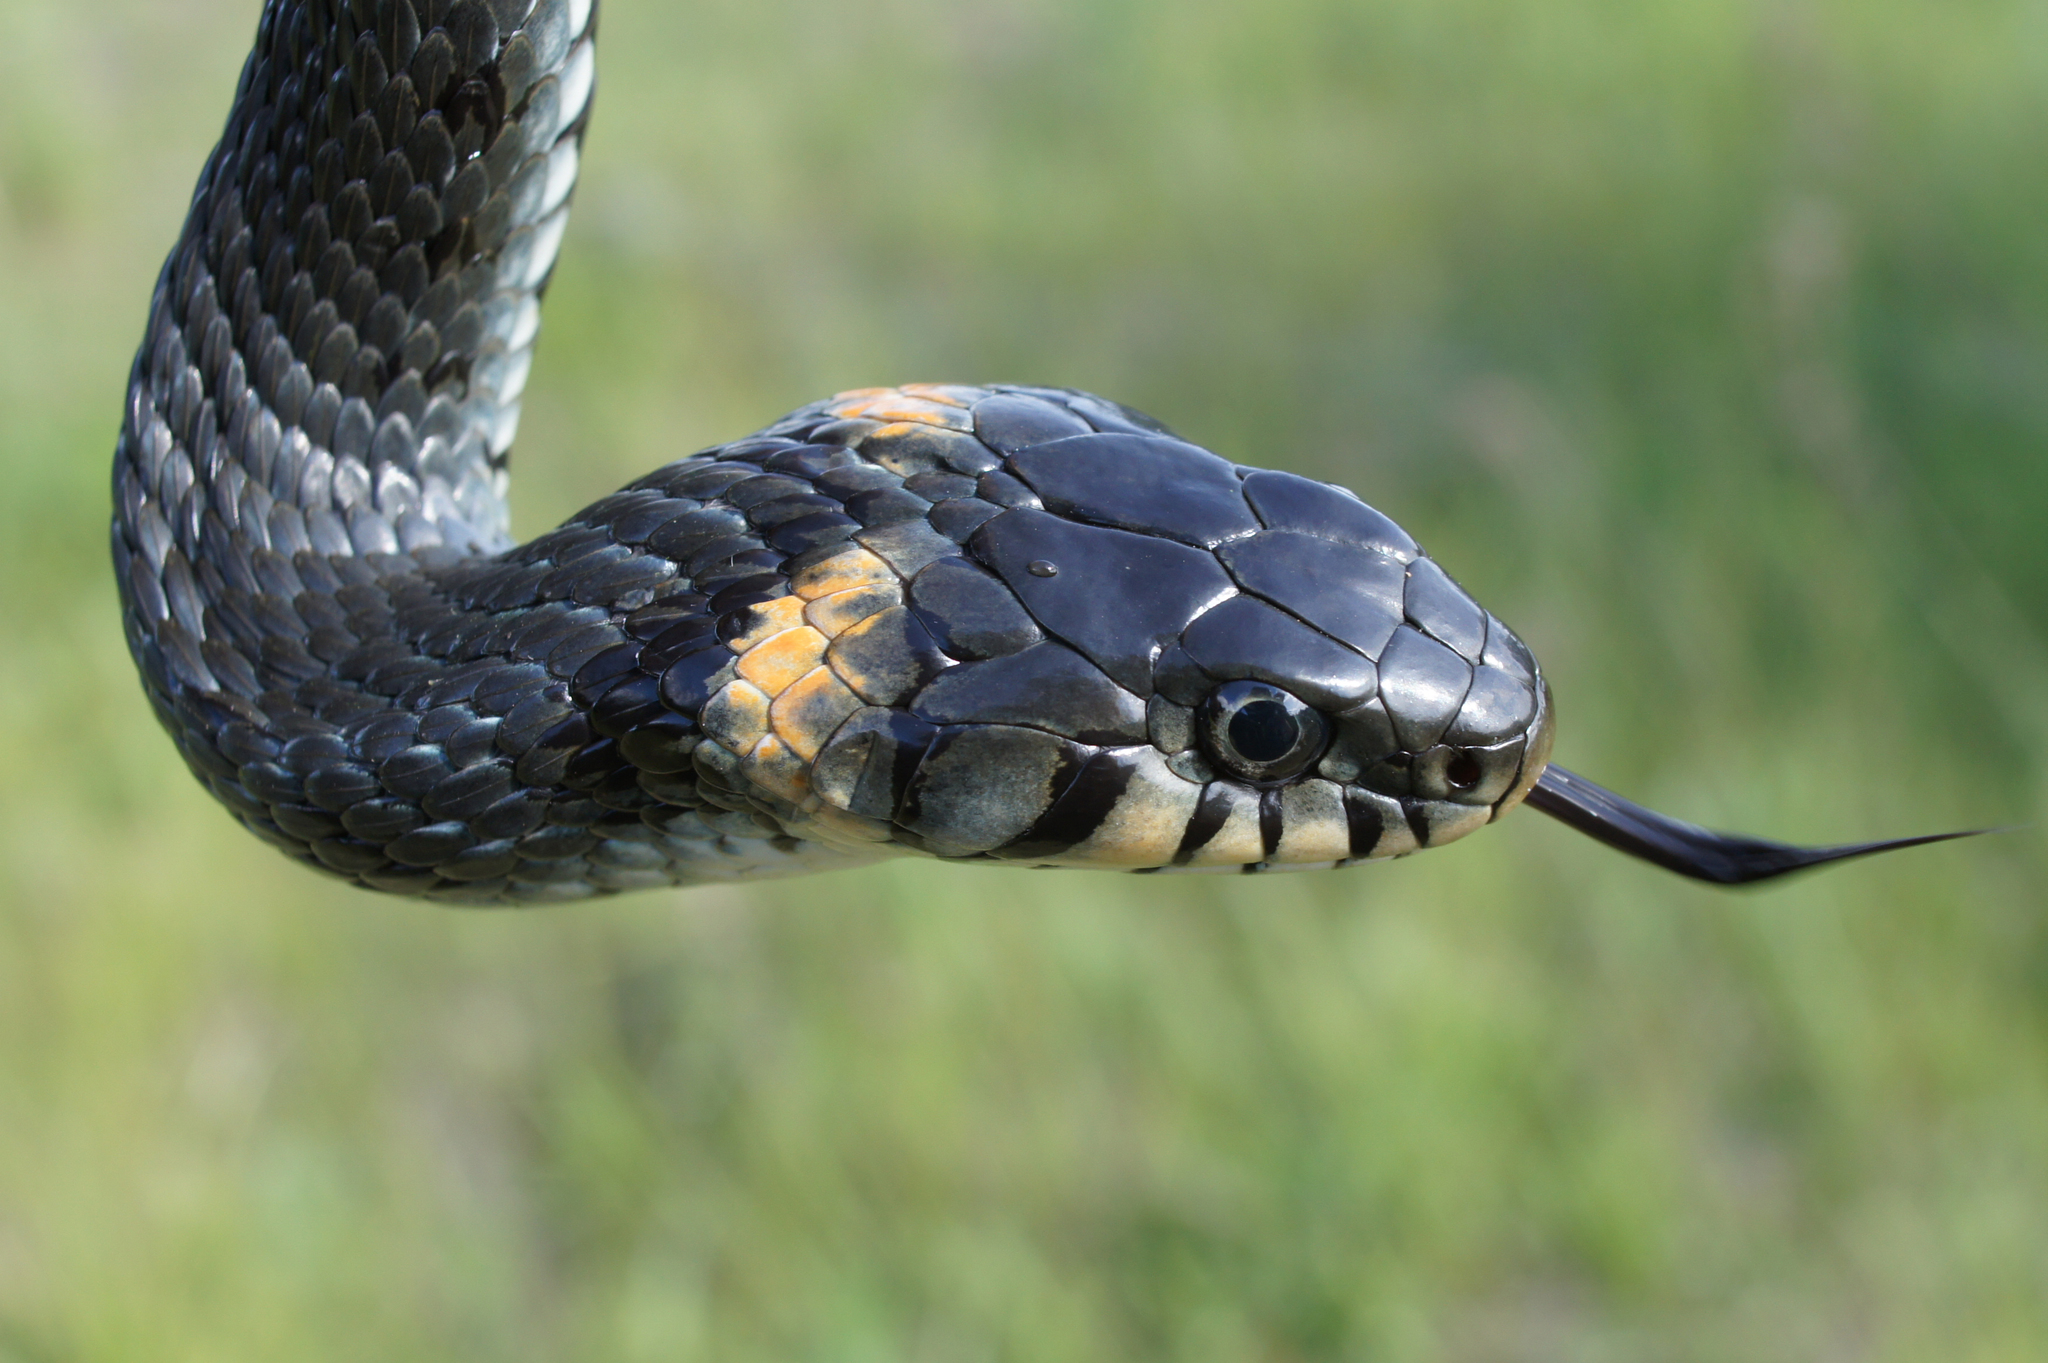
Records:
x=1688, y=849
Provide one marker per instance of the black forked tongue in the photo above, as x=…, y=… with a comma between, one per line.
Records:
x=1723, y=858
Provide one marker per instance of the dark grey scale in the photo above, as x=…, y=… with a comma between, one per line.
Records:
x=939, y=485
x=691, y=533
x=1009, y=422
x=1149, y=484
x=662, y=744
x=545, y=627
x=907, y=545
x=663, y=614
x=763, y=488
x=1423, y=685
x=969, y=612
x=1439, y=608
x=770, y=515
x=690, y=680
x=1362, y=741
x=816, y=530
x=683, y=636
x=753, y=590
x=1354, y=593
x=646, y=512
x=849, y=480
x=1169, y=584
x=1506, y=652
x=1046, y=686
x=882, y=506
x=958, y=518
x=1287, y=501
x=981, y=786
x=1000, y=489
x=1246, y=638
x=1497, y=702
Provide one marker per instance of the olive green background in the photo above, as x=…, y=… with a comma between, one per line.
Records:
x=1705, y=341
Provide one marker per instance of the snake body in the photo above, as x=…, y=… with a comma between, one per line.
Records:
x=996, y=622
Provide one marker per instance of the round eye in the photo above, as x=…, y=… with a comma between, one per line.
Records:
x=1463, y=772
x=1259, y=732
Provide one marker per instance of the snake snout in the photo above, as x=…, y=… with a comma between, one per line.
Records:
x=1460, y=726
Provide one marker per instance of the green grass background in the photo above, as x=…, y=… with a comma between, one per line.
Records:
x=1706, y=341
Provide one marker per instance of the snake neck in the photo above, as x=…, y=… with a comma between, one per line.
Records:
x=320, y=412
x=338, y=342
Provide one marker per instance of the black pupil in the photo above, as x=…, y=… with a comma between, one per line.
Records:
x=1264, y=731
x=1463, y=771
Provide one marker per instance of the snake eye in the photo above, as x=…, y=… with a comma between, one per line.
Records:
x=1259, y=732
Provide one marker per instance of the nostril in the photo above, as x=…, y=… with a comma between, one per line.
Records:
x=1463, y=771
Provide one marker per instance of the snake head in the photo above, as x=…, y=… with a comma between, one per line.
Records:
x=1144, y=656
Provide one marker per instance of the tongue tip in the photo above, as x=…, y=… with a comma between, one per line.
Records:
x=1688, y=849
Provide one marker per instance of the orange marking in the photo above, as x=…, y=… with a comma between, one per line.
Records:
x=810, y=710
x=844, y=571
x=770, y=619
x=777, y=770
x=843, y=610
x=775, y=663
x=950, y=394
x=915, y=412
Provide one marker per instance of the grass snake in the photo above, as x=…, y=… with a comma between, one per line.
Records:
x=990, y=622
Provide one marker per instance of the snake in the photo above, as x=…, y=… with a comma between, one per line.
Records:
x=989, y=622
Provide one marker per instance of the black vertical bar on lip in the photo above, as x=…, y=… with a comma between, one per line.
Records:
x=1211, y=813
x=1367, y=824
x=909, y=804
x=903, y=770
x=1271, y=825
x=1418, y=821
x=1078, y=810
x=1688, y=849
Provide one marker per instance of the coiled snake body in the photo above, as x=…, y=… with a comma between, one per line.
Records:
x=1008, y=623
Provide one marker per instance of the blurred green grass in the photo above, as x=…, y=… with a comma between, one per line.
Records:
x=1706, y=341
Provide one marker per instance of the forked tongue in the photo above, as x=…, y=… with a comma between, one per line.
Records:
x=1723, y=858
